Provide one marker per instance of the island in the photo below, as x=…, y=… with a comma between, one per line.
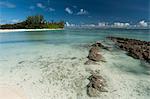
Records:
x=34, y=22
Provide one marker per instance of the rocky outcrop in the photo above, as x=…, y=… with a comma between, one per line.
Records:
x=94, y=54
x=96, y=85
x=135, y=48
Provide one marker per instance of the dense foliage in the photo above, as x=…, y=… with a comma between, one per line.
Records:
x=34, y=22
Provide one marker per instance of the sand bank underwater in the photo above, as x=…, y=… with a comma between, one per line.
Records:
x=58, y=72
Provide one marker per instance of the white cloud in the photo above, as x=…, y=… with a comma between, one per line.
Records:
x=102, y=24
x=120, y=25
x=69, y=25
x=139, y=25
x=82, y=12
x=68, y=10
x=31, y=7
x=143, y=23
x=7, y=4
x=51, y=9
x=88, y=25
x=40, y=5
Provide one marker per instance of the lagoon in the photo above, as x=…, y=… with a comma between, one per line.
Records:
x=50, y=64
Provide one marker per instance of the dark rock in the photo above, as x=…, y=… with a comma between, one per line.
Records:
x=94, y=54
x=73, y=58
x=96, y=85
x=21, y=62
x=135, y=48
x=99, y=44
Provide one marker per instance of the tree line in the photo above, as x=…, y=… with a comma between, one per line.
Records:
x=34, y=22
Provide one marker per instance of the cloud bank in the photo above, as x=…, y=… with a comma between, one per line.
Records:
x=143, y=23
x=139, y=25
x=120, y=25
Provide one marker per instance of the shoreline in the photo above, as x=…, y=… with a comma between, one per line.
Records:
x=26, y=30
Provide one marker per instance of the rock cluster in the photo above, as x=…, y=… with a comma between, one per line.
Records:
x=96, y=85
x=135, y=48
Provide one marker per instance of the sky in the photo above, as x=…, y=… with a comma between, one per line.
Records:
x=76, y=11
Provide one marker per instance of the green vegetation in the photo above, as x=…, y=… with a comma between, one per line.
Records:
x=34, y=22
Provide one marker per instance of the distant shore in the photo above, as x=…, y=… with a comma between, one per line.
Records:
x=26, y=30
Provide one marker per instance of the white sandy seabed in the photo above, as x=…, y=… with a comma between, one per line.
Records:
x=58, y=72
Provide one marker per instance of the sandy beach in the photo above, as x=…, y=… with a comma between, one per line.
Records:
x=25, y=30
x=11, y=92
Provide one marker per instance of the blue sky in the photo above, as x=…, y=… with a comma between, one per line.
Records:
x=76, y=11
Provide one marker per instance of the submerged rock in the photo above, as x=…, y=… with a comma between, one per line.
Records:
x=96, y=85
x=73, y=58
x=99, y=44
x=94, y=54
x=135, y=48
x=21, y=62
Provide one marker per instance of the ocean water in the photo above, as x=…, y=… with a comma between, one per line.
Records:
x=50, y=64
x=71, y=36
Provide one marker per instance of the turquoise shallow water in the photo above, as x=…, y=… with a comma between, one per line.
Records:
x=14, y=43
x=41, y=64
x=71, y=36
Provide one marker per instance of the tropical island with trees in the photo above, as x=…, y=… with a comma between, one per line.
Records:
x=34, y=22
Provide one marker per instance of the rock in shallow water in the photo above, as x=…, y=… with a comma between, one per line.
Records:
x=94, y=54
x=100, y=45
x=96, y=85
x=135, y=48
